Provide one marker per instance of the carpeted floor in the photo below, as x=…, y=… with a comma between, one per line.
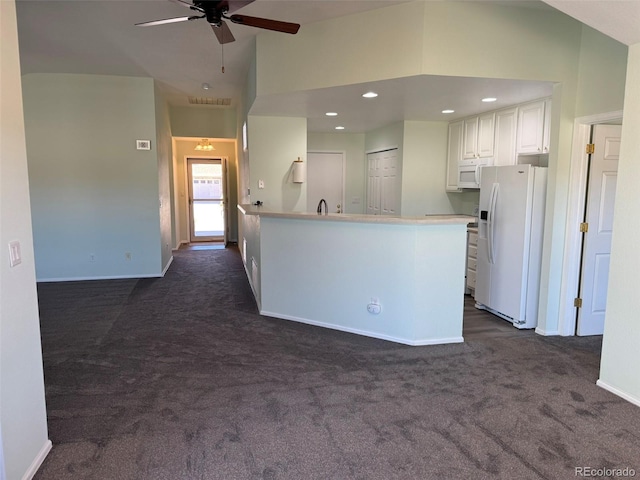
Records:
x=181, y=378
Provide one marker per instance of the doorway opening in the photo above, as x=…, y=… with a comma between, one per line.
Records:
x=206, y=180
x=325, y=180
x=572, y=267
x=597, y=229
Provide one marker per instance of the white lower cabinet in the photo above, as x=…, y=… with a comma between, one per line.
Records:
x=472, y=255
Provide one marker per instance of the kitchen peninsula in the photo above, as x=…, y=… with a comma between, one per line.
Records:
x=396, y=278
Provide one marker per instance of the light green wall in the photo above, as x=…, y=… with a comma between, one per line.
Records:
x=92, y=192
x=274, y=144
x=603, y=63
x=352, y=144
x=424, y=164
x=345, y=50
x=23, y=420
x=203, y=121
x=481, y=39
x=165, y=167
x=620, y=352
x=442, y=38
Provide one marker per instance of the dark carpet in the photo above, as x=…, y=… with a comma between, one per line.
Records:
x=181, y=378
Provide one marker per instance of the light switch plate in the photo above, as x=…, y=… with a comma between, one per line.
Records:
x=15, y=257
x=260, y=183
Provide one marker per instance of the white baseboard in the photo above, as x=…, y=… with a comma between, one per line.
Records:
x=180, y=243
x=381, y=336
x=167, y=266
x=541, y=331
x=620, y=393
x=37, y=462
x=105, y=277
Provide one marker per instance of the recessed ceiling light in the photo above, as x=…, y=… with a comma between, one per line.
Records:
x=331, y=114
x=206, y=86
x=370, y=95
x=448, y=111
x=340, y=127
x=489, y=99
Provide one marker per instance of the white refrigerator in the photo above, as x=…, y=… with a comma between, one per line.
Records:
x=510, y=233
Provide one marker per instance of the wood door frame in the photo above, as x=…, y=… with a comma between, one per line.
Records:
x=225, y=191
x=571, y=261
x=344, y=170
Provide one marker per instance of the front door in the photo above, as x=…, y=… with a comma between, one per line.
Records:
x=601, y=194
x=325, y=179
x=207, y=193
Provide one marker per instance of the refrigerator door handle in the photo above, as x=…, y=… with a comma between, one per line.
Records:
x=491, y=222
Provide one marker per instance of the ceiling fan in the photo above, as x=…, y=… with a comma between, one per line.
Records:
x=216, y=11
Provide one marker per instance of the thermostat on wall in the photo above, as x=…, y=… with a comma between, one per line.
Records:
x=143, y=144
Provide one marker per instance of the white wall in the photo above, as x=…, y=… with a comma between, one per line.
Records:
x=352, y=144
x=274, y=144
x=620, y=352
x=23, y=420
x=92, y=192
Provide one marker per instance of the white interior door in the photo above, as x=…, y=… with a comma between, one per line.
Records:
x=382, y=182
x=374, y=180
x=601, y=194
x=325, y=179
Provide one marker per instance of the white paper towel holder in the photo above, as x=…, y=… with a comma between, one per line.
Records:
x=298, y=171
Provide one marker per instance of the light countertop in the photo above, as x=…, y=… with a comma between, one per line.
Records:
x=359, y=218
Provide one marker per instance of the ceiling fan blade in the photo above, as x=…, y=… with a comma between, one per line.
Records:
x=165, y=21
x=223, y=33
x=276, y=25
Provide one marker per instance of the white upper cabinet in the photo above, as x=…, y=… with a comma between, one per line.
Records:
x=470, y=143
x=454, y=149
x=478, y=136
x=533, y=122
x=486, y=124
x=505, y=139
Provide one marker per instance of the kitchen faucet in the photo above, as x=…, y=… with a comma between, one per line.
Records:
x=326, y=209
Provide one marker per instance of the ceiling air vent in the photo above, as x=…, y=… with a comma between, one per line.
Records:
x=222, y=102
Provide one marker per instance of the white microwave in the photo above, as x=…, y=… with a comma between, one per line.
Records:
x=470, y=172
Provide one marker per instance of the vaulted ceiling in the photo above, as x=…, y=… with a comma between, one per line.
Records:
x=100, y=37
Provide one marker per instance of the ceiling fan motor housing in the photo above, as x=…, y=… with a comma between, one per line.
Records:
x=213, y=10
